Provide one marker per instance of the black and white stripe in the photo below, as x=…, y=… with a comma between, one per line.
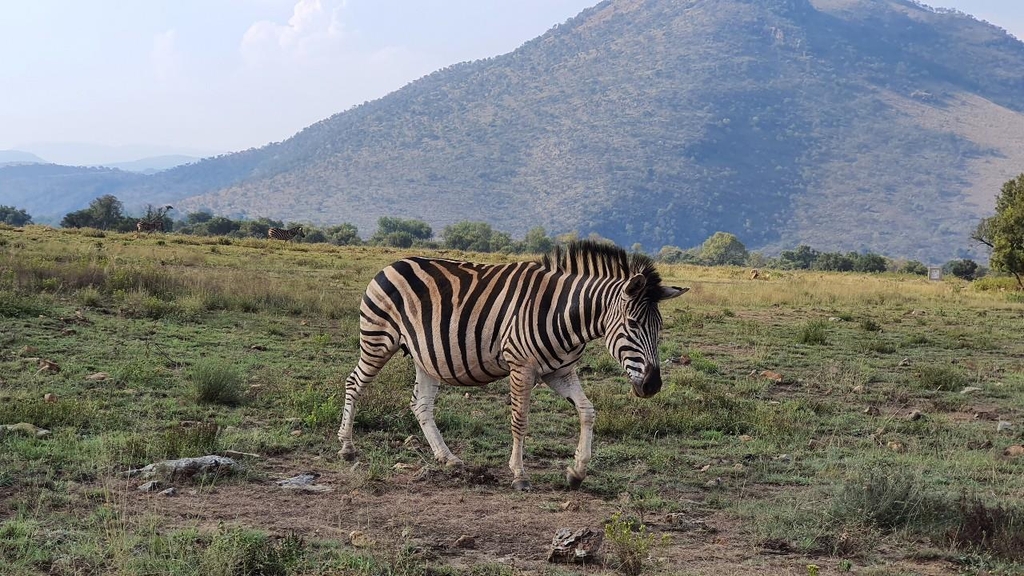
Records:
x=150, y=225
x=469, y=324
x=285, y=234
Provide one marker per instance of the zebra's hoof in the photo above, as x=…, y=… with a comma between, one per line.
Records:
x=574, y=481
x=521, y=485
x=348, y=453
x=451, y=462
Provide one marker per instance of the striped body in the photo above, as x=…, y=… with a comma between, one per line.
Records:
x=470, y=324
x=150, y=226
x=285, y=234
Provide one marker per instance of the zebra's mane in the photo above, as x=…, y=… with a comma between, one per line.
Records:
x=602, y=259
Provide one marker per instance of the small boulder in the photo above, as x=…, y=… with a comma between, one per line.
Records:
x=26, y=429
x=465, y=541
x=970, y=390
x=172, y=491
x=1014, y=451
x=904, y=362
x=50, y=398
x=151, y=486
x=1004, y=426
x=579, y=546
x=360, y=540
x=773, y=376
x=915, y=415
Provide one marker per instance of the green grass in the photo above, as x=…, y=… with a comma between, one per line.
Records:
x=201, y=359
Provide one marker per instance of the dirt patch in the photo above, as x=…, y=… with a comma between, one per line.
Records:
x=432, y=511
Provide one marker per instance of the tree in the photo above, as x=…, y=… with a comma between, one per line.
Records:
x=343, y=235
x=964, y=269
x=1004, y=232
x=913, y=267
x=833, y=262
x=722, y=249
x=466, y=235
x=105, y=213
x=537, y=241
x=869, y=262
x=399, y=232
x=800, y=259
x=14, y=217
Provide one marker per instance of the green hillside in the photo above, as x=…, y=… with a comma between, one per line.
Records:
x=846, y=124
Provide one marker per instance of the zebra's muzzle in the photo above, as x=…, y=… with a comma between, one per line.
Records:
x=649, y=384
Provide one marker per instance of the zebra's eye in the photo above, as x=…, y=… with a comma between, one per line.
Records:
x=632, y=324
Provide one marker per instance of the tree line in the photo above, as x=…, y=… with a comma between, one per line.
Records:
x=1002, y=233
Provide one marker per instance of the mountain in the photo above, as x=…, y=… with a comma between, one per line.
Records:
x=19, y=157
x=90, y=154
x=153, y=164
x=844, y=124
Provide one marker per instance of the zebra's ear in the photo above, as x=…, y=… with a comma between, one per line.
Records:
x=670, y=292
x=635, y=286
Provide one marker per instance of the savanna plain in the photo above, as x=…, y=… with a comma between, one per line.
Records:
x=810, y=423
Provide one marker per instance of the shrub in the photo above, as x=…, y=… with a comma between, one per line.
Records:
x=814, y=332
x=629, y=542
x=941, y=378
x=242, y=552
x=216, y=383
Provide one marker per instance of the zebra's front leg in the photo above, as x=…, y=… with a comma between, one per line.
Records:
x=521, y=386
x=422, y=406
x=568, y=386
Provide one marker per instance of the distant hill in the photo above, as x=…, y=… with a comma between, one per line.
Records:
x=153, y=164
x=19, y=157
x=845, y=124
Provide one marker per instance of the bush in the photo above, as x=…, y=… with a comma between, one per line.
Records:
x=629, y=542
x=941, y=378
x=216, y=383
x=814, y=332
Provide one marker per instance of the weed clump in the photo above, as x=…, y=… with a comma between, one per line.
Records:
x=216, y=383
x=240, y=552
x=629, y=542
x=814, y=332
x=943, y=378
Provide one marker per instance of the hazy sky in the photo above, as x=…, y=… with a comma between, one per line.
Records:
x=223, y=75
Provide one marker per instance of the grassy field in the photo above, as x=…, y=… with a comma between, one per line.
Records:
x=810, y=424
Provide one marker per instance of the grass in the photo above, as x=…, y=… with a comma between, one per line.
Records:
x=201, y=359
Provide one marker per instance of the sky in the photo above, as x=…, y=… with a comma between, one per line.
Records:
x=210, y=76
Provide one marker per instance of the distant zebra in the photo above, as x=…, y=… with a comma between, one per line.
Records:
x=150, y=226
x=283, y=234
x=470, y=324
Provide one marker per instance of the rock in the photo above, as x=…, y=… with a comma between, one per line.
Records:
x=185, y=468
x=773, y=376
x=783, y=458
x=1004, y=426
x=915, y=415
x=50, y=398
x=872, y=411
x=359, y=540
x=904, y=362
x=714, y=483
x=573, y=505
x=984, y=415
x=151, y=486
x=258, y=348
x=834, y=319
x=705, y=468
x=580, y=546
x=172, y=491
x=970, y=390
x=465, y=541
x=897, y=447
x=858, y=389
x=403, y=467
x=27, y=351
x=26, y=429
x=466, y=395
x=1014, y=451
x=296, y=433
x=746, y=438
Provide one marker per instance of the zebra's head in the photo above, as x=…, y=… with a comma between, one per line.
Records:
x=299, y=232
x=633, y=329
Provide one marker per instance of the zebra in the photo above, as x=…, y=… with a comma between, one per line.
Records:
x=286, y=235
x=470, y=324
x=153, y=221
x=149, y=226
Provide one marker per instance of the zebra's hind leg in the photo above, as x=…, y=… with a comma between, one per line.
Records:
x=422, y=406
x=568, y=386
x=372, y=358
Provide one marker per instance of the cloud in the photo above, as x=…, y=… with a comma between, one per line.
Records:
x=314, y=29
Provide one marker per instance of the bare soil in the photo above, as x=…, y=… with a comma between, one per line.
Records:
x=430, y=510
